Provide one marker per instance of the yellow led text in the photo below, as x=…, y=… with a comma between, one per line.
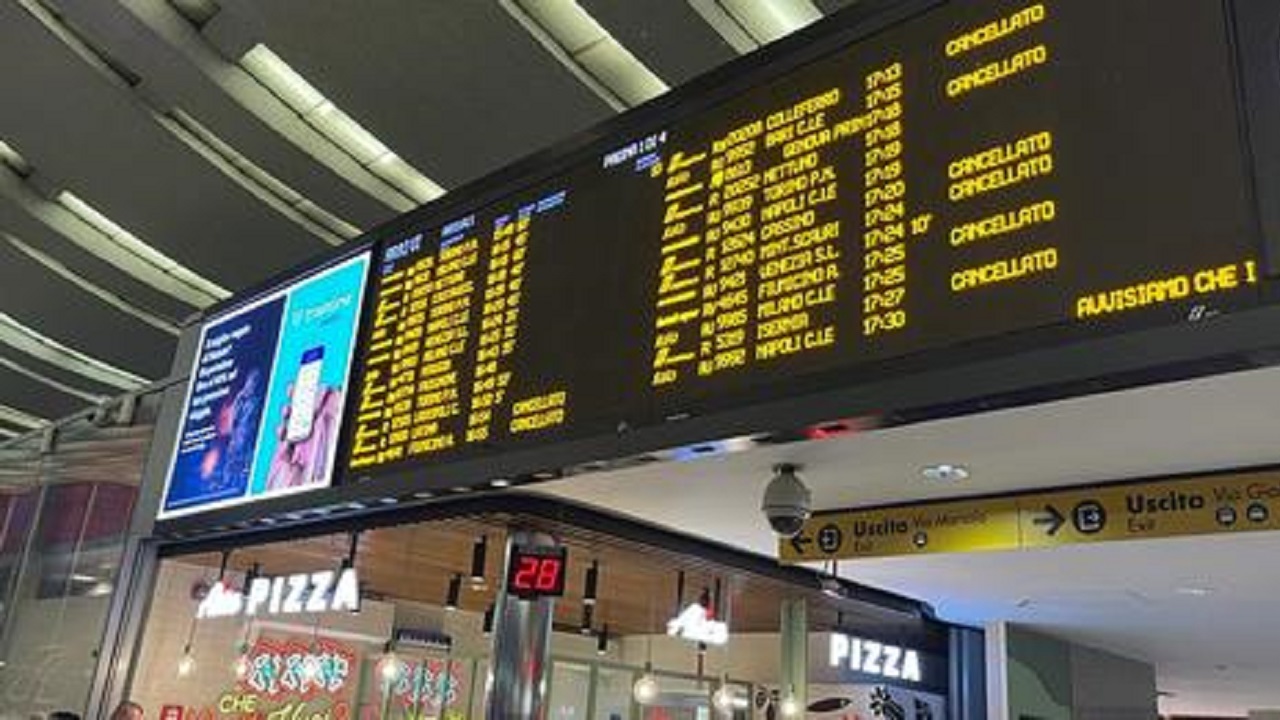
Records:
x=997, y=30
x=1165, y=290
x=997, y=71
x=1004, y=223
x=1006, y=270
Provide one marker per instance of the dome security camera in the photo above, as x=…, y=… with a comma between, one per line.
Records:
x=787, y=501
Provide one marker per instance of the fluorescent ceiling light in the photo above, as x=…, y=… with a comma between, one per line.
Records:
x=14, y=160
x=129, y=253
x=222, y=156
x=265, y=186
x=566, y=30
x=181, y=32
x=95, y=234
x=22, y=419
x=51, y=382
x=106, y=296
x=43, y=347
x=748, y=24
x=337, y=126
x=280, y=78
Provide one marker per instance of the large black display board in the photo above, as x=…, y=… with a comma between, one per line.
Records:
x=985, y=168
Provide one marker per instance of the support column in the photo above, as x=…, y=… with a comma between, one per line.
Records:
x=521, y=664
x=794, y=676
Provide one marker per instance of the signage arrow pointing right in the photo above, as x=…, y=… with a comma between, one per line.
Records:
x=1053, y=518
x=800, y=542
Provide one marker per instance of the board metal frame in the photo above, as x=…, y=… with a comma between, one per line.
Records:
x=1035, y=365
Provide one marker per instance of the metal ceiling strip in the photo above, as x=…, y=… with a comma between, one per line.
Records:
x=725, y=25
x=53, y=265
x=21, y=418
x=254, y=97
x=115, y=251
x=236, y=166
x=748, y=24
x=135, y=255
x=36, y=344
x=256, y=181
x=336, y=125
x=51, y=382
x=585, y=48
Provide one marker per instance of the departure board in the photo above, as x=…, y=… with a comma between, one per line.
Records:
x=984, y=169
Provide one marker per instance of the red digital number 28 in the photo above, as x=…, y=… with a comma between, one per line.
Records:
x=537, y=574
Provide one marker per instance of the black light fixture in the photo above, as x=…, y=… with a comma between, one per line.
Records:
x=479, y=554
x=222, y=567
x=602, y=641
x=593, y=579
x=455, y=589
x=588, y=619
x=487, y=628
x=350, y=560
x=251, y=574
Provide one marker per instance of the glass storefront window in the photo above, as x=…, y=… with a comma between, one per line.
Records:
x=570, y=691
x=418, y=646
x=65, y=510
x=613, y=693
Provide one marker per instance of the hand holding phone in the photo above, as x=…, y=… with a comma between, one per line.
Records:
x=305, y=395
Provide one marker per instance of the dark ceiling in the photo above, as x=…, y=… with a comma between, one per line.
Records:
x=93, y=103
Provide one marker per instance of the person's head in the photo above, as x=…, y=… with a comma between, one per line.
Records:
x=63, y=715
x=127, y=711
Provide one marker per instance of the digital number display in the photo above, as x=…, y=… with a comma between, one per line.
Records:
x=534, y=572
x=986, y=168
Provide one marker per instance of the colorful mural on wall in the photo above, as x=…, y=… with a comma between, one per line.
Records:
x=286, y=679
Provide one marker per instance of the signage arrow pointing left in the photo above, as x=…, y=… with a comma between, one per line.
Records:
x=1053, y=518
x=800, y=542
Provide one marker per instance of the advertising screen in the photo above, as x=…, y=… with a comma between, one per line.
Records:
x=983, y=170
x=265, y=399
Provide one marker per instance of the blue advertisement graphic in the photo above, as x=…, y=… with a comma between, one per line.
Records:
x=224, y=408
x=264, y=406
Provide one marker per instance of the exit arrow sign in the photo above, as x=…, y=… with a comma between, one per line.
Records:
x=800, y=542
x=1052, y=518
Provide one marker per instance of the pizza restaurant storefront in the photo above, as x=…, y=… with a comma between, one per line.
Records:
x=549, y=610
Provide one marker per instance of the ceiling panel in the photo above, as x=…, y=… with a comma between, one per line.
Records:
x=41, y=300
x=31, y=396
x=171, y=79
x=17, y=222
x=458, y=89
x=669, y=37
x=83, y=133
x=28, y=366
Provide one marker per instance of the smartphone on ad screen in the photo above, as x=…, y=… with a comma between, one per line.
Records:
x=306, y=393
